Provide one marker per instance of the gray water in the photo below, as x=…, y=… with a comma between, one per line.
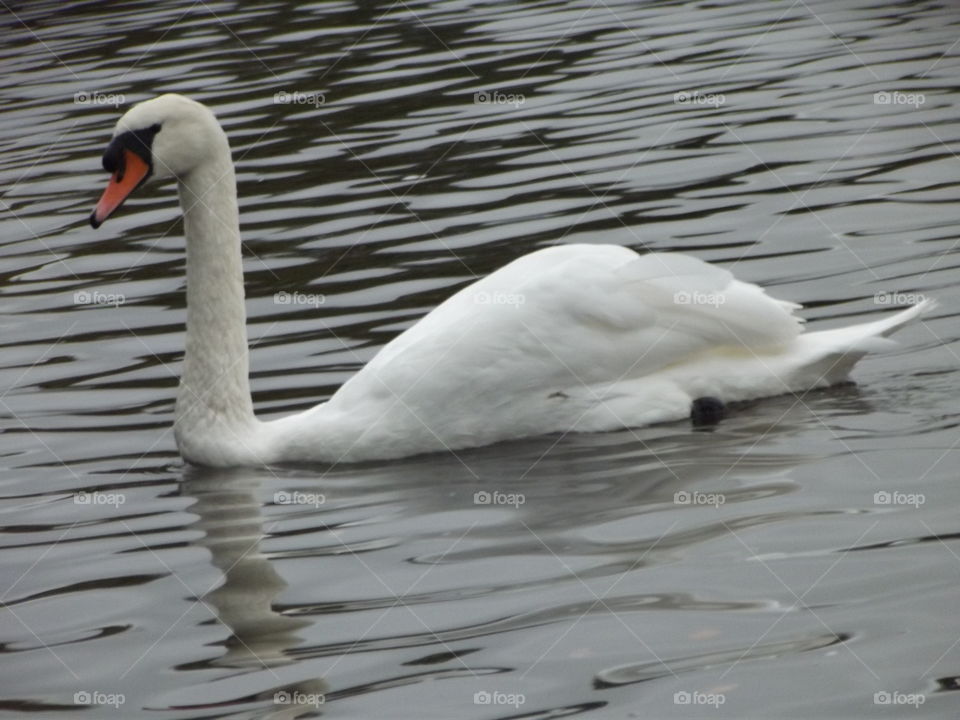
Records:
x=387, y=154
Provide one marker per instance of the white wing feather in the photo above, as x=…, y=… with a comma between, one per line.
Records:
x=572, y=316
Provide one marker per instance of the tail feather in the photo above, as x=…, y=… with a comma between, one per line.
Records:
x=890, y=325
x=833, y=353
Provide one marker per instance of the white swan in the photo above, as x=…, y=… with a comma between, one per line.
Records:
x=569, y=338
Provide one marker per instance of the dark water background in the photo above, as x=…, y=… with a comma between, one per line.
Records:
x=748, y=133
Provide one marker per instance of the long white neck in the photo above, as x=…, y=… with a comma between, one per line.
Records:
x=214, y=412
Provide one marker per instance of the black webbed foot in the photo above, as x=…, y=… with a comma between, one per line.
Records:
x=707, y=411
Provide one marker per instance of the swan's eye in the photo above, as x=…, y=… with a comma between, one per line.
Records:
x=137, y=141
x=112, y=157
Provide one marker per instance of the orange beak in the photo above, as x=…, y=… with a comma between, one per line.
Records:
x=130, y=173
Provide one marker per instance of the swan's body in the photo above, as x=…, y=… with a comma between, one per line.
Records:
x=569, y=338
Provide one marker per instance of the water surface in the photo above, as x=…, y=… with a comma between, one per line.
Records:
x=387, y=154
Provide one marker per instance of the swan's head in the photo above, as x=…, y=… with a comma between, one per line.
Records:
x=168, y=136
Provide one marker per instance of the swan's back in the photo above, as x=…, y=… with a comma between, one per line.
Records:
x=569, y=317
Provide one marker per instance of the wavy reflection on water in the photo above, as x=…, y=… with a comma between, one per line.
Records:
x=387, y=154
